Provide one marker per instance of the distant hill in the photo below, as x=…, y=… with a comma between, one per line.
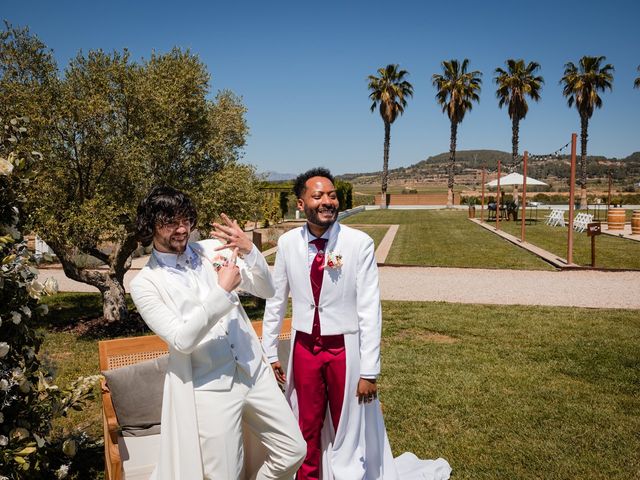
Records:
x=470, y=162
x=270, y=176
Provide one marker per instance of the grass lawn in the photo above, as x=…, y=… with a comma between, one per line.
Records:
x=611, y=252
x=445, y=238
x=508, y=392
x=499, y=391
x=376, y=233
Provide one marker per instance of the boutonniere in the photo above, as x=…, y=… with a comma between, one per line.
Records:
x=332, y=260
x=219, y=261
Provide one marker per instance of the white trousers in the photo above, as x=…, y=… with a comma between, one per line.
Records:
x=262, y=408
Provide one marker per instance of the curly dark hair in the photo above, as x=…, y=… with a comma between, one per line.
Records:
x=163, y=205
x=300, y=184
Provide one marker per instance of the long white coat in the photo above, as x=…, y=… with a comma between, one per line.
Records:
x=349, y=304
x=175, y=314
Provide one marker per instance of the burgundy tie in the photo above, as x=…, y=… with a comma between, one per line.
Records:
x=317, y=272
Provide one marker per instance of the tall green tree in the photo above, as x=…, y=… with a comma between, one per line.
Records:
x=516, y=83
x=636, y=82
x=389, y=91
x=457, y=89
x=582, y=83
x=109, y=129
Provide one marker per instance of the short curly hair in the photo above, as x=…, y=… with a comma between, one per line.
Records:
x=163, y=205
x=300, y=184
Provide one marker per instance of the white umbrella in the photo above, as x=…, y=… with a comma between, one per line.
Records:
x=514, y=179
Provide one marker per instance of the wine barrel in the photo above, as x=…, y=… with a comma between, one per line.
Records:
x=616, y=218
x=635, y=223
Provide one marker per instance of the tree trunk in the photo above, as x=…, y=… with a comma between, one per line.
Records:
x=584, y=127
x=114, y=303
x=515, y=134
x=385, y=164
x=109, y=282
x=451, y=165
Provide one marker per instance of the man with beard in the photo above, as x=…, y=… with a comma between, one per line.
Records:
x=331, y=272
x=218, y=383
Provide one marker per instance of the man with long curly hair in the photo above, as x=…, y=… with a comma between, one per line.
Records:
x=218, y=382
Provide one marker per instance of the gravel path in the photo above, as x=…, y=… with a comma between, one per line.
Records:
x=513, y=287
x=468, y=285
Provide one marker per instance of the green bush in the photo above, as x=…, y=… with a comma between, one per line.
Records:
x=30, y=446
x=345, y=194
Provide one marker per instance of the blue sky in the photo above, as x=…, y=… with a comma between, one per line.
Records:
x=301, y=68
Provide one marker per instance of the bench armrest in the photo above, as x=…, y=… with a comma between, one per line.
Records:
x=113, y=462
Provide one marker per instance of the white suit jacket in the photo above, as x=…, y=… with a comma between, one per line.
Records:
x=350, y=296
x=177, y=315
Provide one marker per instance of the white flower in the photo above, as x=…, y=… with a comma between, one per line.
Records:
x=4, y=441
x=50, y=286
x=35, y=289
x=16, y=318
x=4, y=385
x=26, y=310
x=4, y=349
x=6, y=167
x=62, y=472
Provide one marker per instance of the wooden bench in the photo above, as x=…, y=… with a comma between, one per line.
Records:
x=119, y=464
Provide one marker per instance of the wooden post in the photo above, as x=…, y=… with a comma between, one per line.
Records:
x=482, y=207
x=593, y=229
x=498, y=199
x=257, y=240
x=572, y=188
x=524, y=195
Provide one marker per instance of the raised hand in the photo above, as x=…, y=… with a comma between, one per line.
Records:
x=232, y=235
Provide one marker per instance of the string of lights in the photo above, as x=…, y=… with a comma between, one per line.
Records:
x=532, y=158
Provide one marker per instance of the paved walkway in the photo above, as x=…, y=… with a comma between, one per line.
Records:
x=585, y=288
x=385, y=244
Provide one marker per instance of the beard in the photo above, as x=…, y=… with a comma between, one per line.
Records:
x=172, y=245
x=322, y=216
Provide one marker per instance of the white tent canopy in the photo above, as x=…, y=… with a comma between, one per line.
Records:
x=514, y=179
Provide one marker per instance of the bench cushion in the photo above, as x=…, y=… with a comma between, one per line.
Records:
x=136, y=392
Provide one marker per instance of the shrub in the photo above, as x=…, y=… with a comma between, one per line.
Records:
x=30, y=446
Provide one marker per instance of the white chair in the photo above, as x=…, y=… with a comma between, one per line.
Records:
x=556, y=218
x=581, y=221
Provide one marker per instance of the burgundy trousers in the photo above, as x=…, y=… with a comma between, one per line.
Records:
x=319, y=374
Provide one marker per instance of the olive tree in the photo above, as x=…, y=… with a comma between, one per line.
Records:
x=111, y=128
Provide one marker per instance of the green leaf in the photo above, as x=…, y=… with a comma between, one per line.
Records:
x=26, y=451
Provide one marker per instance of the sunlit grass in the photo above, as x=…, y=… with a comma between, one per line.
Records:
x=445, y=238
x=499, y=391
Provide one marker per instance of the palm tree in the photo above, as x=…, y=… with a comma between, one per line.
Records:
x=636, y=82
x=457, y=89
x=514, y=85
x=390, y=90
x=581, y=86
